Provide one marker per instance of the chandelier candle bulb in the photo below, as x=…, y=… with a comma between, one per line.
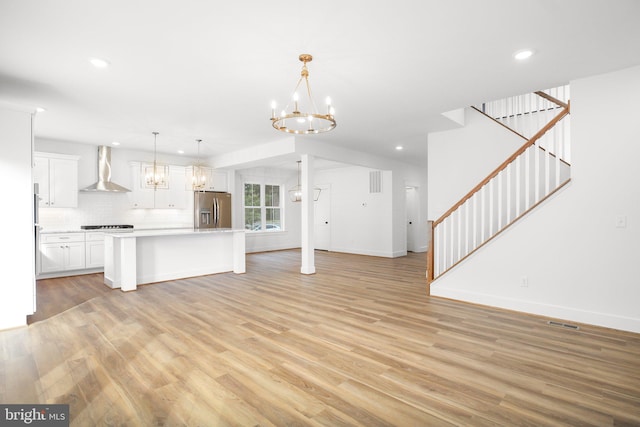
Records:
x=295, y=102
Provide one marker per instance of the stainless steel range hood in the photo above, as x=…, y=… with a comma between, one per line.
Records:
x=104, y=174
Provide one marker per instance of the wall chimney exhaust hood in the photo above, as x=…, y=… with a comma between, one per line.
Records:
x=104, y=174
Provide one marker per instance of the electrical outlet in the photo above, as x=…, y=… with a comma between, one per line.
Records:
x=524, y=282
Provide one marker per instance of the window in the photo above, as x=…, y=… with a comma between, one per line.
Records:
x=252, y=209
x=262, y=210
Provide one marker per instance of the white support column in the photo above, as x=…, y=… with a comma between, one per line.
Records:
x=308, y=244
x=128, y=263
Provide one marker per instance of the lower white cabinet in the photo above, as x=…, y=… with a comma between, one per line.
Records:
x=94, y=250
x=62, y=251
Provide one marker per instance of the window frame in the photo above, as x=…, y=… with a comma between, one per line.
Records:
x=263, y=207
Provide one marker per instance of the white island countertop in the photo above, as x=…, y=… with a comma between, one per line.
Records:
x=144, y=256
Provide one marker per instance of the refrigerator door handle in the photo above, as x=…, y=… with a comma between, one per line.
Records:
x=215, y=213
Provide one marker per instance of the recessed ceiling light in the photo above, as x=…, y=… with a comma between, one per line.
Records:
x=523, y=54
x=99, y=63
x=180, y=151
x=115, y=143
x=399, y=147
x=40, y=110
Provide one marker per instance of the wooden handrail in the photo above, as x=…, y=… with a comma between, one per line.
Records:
x=552, y=99
x=504, y=164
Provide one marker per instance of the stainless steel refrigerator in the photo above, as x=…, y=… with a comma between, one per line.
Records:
x=212, y=209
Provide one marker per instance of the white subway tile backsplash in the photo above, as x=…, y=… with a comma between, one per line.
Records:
x=110, y=208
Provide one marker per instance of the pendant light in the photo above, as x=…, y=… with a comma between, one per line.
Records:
x=156, y=175
x=198, y=173
x=295, y=193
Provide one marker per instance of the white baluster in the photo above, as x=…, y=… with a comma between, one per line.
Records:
x=499, y=177
x=466, y=226
x=491, y=208
x=557, y=156
x=509, y=198
x=536, y=161
x=527, y=179
x=547, y=171
x=518, y=185
x=474, y=198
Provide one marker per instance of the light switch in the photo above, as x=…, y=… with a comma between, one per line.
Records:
x=621, y=221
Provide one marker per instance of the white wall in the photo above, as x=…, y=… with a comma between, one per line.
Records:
x=402, y=174
x=579, y=265
x=17, y=253
x=361, y=222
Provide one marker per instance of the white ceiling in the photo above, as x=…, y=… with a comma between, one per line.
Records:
x=210, y=69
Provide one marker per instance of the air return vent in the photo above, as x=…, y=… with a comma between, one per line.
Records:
x=563, y=325
x=375, y=182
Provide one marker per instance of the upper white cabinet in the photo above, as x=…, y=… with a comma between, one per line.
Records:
x=174, y=197
x=214, y=180
x=57, y=179
x=219, y=181
x=139, y=196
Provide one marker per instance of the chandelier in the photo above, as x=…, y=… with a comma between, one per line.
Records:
x=295, y=193
x=155, y=176
x=198, y=173
x=304, y=119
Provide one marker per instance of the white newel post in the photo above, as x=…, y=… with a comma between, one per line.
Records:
x=308, y=259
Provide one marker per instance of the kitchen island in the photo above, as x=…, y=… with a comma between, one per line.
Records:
x=147, y=256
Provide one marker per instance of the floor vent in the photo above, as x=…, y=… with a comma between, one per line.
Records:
x=563, y=325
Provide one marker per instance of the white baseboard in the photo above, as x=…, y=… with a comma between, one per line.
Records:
x=606, y=320
x=365, y=252
x=69, y=273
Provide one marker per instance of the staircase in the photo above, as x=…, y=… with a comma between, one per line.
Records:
x=539, y=168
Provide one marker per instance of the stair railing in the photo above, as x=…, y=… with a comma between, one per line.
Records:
x=539, y=168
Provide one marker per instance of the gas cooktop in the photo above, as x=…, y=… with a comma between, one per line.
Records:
x=105, y=227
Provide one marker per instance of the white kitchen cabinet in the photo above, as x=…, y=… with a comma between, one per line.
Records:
x=219, y=181
x=174, y=197
x=139, y=196
x=57, y=179
x=62, y=251
x=94, y=249
x=214, y=180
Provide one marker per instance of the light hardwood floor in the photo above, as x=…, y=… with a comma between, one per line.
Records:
x=358, y=343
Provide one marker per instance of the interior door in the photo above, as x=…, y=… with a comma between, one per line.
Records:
x=322, y=219
x=411, y=211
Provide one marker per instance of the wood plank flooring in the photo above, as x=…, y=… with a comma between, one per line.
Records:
x=358, y=343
